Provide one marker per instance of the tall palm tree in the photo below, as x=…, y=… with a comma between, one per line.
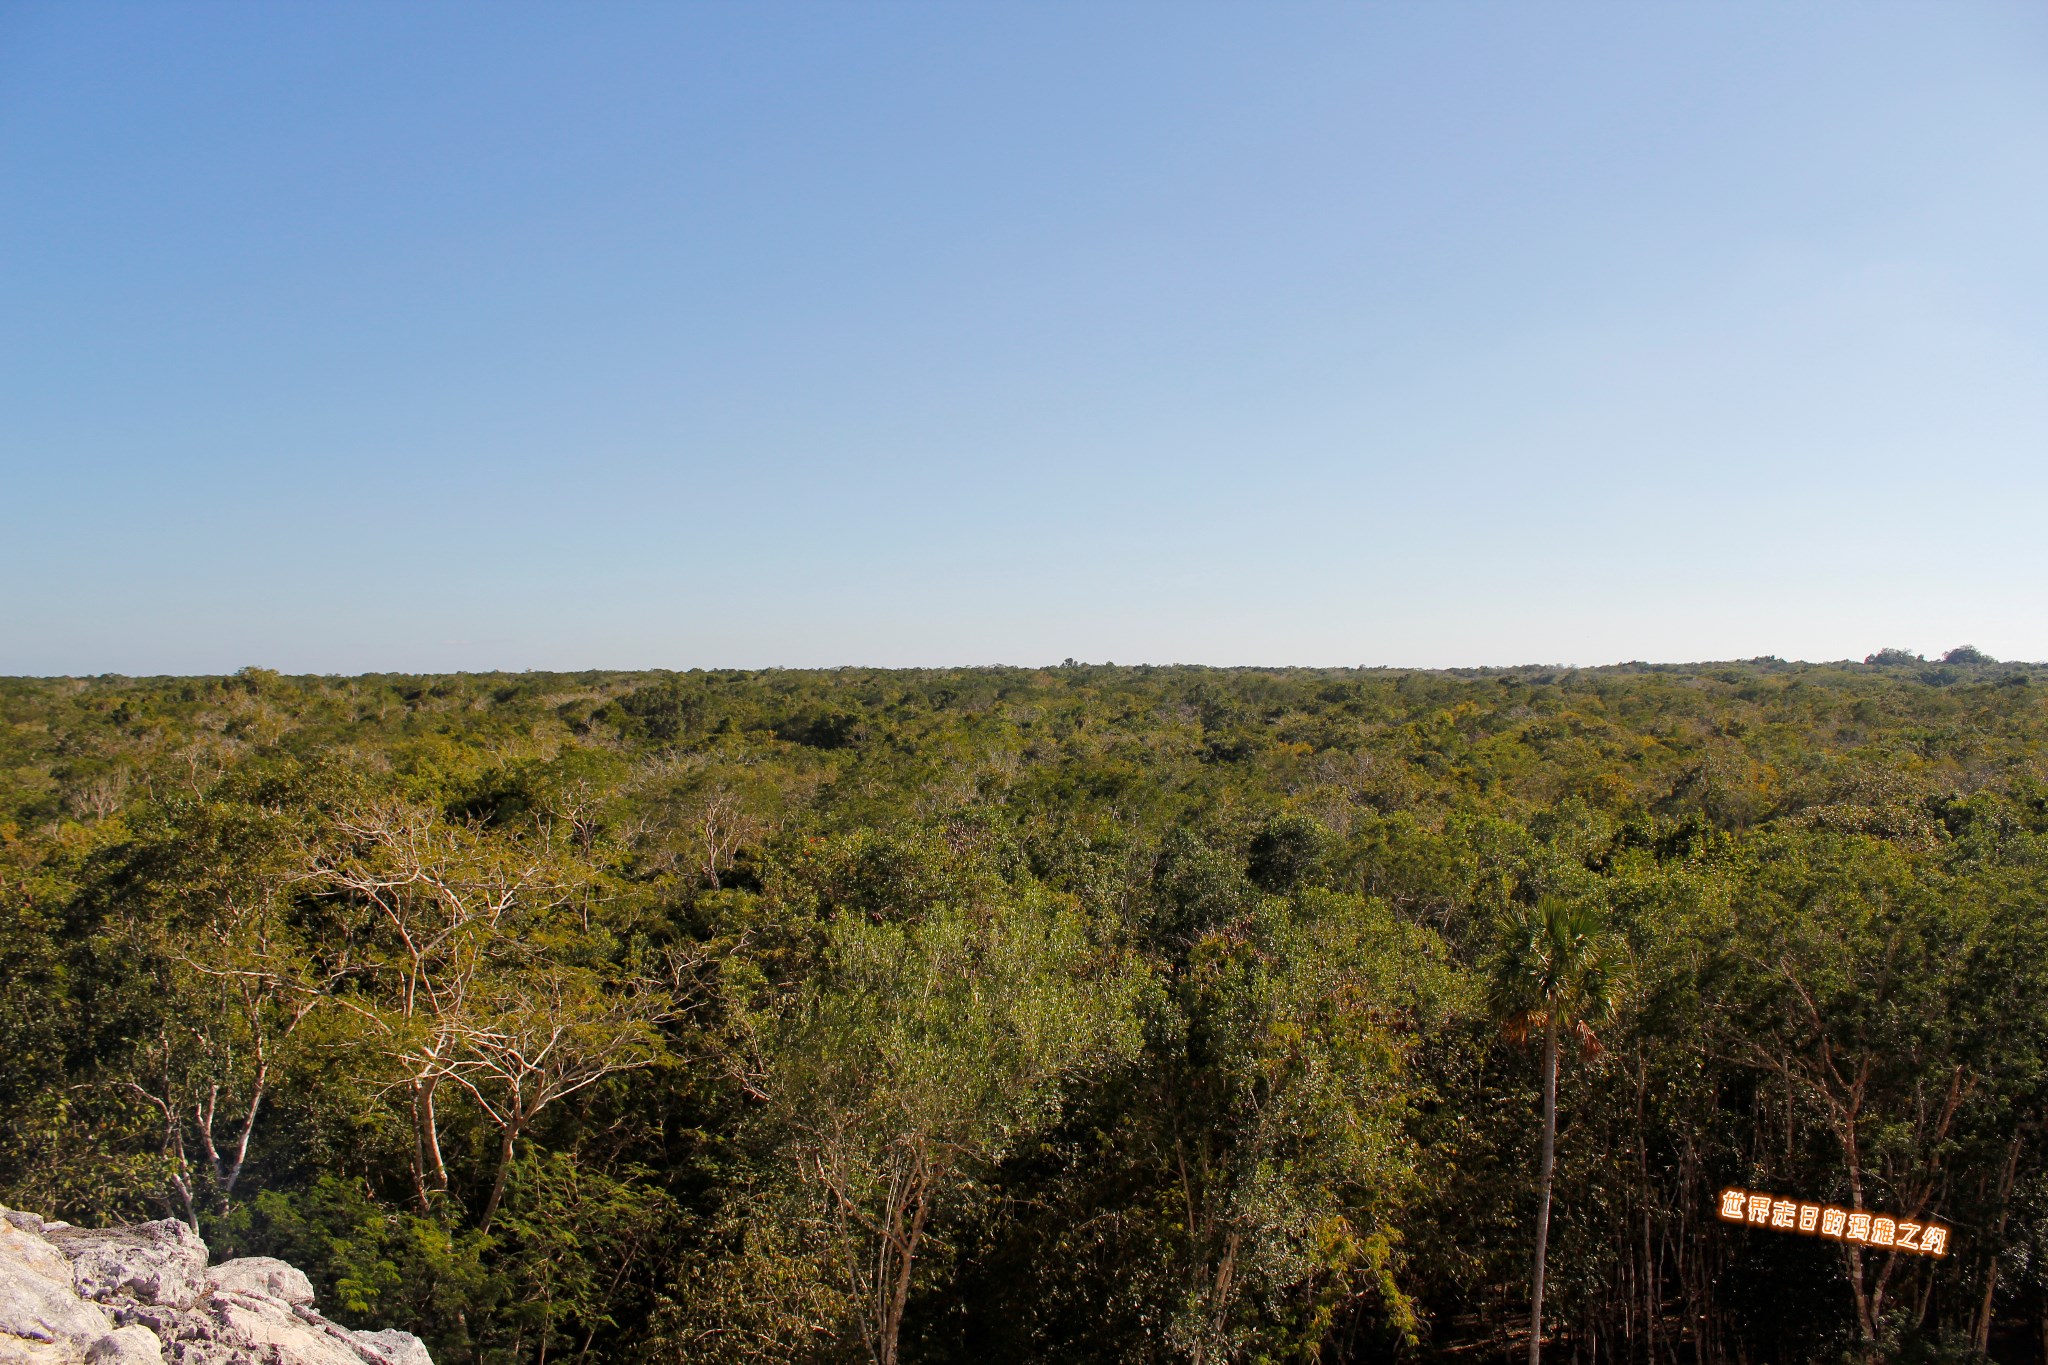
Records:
x=1556, y=974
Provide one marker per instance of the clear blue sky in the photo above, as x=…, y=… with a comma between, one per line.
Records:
x=432, y=336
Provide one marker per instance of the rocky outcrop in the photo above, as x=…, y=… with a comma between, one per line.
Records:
x=144, y=1295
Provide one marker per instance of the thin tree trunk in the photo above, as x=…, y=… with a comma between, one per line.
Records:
x=1650, y=1275
x=2005, y=1182
x=419, y=1171
x=202, y=1115
x=426, y=1147
x=899, y=1292
x=1219, y=1306
x=184, y=1189
x=505, y=1141
x=234, y=1173
x=430, y=1135
x=1545, y=1169
x=1866, y=1309
x=1866, y=1323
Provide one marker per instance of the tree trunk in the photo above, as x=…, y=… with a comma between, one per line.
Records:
x=899, y=1291
x=1982, y=1335
x=1852, y=1151
x=1650, y=1267
x=505, y=1140
x=1544, y=1171
x=1219, y=1296
x=1866, y=1321
x=234, y=1173
x=432, y=1168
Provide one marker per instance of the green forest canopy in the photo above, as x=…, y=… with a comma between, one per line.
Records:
x=1080, y=1014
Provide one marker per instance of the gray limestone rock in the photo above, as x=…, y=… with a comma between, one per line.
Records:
x=396, y=1348
x=143, y=1295
x=161, y=1263
x=128, y=1346
x=265, y=1276
x=270, y=1330
x=41, y=1315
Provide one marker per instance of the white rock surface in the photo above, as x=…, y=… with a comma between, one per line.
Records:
x=143, y=1295
x=161, y=1263
x=263, y=1276
x=399, y=1348
x=42, y=1317
x=128, y=1346
x=275, y=1332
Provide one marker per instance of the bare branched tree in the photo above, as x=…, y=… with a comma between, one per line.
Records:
x=102, y=794
x=539, y=1036
x=436, y=904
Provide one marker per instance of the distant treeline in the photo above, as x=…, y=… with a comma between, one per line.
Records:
x=1083, y=1014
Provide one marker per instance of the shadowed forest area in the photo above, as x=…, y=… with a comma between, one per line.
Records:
x=1084, y=1014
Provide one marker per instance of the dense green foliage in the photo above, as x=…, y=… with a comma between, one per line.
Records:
x=1085, y=1014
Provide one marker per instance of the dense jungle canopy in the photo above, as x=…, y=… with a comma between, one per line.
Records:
x=1080, y=1014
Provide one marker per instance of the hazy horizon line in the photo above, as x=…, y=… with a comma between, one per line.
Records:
x=1760, y=660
